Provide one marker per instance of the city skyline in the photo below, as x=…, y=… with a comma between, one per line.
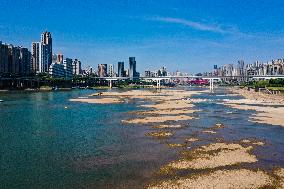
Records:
x=173, y=34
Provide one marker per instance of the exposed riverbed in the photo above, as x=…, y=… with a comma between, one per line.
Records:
x=135, y=139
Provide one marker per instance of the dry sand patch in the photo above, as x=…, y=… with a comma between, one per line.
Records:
x=160, y=134
x=215, y=155
x=254, y=101
x=175, y=145
x=209, y=131
x=221, y=179
x=280, y=174
x=167, y=112
x=267, y=115
x=167, y=126
x=252, y=142
x=159, y=119
x=192, y=139
x=97, y=100
x=170, y=104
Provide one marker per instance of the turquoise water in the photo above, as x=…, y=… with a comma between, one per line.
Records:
x=48, y=142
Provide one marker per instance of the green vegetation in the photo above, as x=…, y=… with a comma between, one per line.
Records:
x=272, y=84
x=276, y=88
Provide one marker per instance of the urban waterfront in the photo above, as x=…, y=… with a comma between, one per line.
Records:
x=179, y=94
x=48, y=141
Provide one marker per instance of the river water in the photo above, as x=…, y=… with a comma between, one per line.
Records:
x=48, y=142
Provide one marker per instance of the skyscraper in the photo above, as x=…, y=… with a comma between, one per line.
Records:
x=36, y=50
x=60, y=58
x=46, y=52
x=67, y=63
x=120, y=70
x=240, y=67
x=77, y=69
x=13, y=60
x=25, y=61
x=132, y=67
x=102, y=70
x=111, y=71
x=3, y=59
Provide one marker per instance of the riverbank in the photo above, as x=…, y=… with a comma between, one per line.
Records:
x=269, y=109
x=258, y=96
x=217, y=163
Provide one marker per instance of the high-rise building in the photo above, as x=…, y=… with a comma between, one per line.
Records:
x=102, y=70
x=56, y=70
x=13, y=60
x=120, y=69
x=54, y=58
x=162, y=72
x=88, y=71
x=111, y=71
x=46, y=52
x=36, y=50
x=25, y=62
x=132, y=67
x=3, y=59
x=240, y=68
x=67, y=63
x=77, y=67
x=147, y=73
x=60, y=58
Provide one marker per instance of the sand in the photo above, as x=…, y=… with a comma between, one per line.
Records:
x=167, y=126
x=253, y=142
x=215, y=155
x=158, y=119
x=168, y=105
x=259, y=96
x=267, y=114
x=160, y=134
x=280, y=174
x=191, y=139
x=175, y=145
x=173, y=104
x=97, y=100
x=221, y=179
x=209, y=131
x=264, y=114
x=167, y=112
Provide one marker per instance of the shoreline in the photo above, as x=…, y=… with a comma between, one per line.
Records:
x=216, y=163
x=269, y=109
x=258, y=96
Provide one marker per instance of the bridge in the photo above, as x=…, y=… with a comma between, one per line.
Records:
x=35, y=81
x=210, y=78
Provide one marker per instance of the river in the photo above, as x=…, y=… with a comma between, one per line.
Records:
x=47, y=142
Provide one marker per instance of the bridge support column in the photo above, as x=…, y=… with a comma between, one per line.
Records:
x=110, y=83
x=158, y=84
x=211, y=84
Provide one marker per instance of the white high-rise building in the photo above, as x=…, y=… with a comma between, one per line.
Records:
x=67, y=63
x=36, y=58
x=77, y=69
x=45, y=52
x=111, y=71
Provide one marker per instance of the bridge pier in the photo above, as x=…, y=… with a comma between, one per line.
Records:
x=211, y=81
x=110, y=82
x=158, y=82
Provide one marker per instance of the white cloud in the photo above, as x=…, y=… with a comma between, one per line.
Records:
x=192, y=24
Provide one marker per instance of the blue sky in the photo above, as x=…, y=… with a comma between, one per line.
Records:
x=185, y=35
